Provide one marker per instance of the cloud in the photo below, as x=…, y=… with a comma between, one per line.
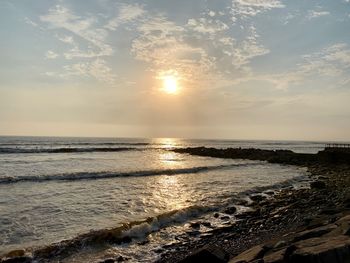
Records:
x=161, y=43
x=30, y=22
x=66, y=39
x=51, y=54
x=87, y=34
x=165, y=45
x=127, y=13
x=331, y=64
x=61, y=17
x=330, y=61
x=248, y=8
x=315, y=14
x=207, y=26
x=97, y=69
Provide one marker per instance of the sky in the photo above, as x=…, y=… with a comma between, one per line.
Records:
x=243, y=69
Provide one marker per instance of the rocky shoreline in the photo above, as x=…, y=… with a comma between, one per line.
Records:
x=287, y=225
x=304, y=225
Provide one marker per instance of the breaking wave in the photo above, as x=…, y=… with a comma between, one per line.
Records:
x=65, y=150
x=105, y=175
x=124, y=233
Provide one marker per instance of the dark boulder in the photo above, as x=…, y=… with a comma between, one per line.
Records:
x=318, y=185
x=230, y=210
x=209, y=253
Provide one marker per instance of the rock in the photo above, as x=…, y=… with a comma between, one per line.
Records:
x=316, y=232
x=318, y=185
x=322, y=250
x=121, y=259
x=16, y=256
x=206, y=224
x=108, y=260
x=195, y=225
x=15, y=253
x=20, y=259
x=144, y=242
x=193, y=233
x=230, y=210
x=209, y=253
x=329, y=211
x=275, y=256
x=316, y=222
x=343, y=227
x=250, y=255
x=257, y=198
x=280, y=244
x=251, y=213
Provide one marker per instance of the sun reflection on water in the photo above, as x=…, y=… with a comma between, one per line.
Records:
x=167, y=143
x=169, y=159
x=170, y=193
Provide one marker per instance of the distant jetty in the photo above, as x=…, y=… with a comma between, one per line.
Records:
x=332, y=154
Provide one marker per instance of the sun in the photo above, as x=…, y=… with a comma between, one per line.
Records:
x=170, y=84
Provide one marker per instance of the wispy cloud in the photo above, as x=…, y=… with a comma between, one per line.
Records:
x=30, y=22
x=51, y=54
x=331, y=63
x=126, y=13
x=66, y=39
x=315, y=14
x=62, y=17
x=207, y=26
x=97, y=69
x=86, y=34
x=249, y=8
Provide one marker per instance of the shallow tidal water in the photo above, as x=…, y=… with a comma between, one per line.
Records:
x=56, y=189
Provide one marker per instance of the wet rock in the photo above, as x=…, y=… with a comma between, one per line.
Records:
x=315, y=250
x=209, y=253
x=251, y=213
x=121, y=259
x=257, y=198
x=317, y=232
x=329, y=211
x=16, y=253
x=225, y=218
x=318, y=185
x=280, y=244
x=108, y=260
x=230, y=210
x=195, y=225
x=206, y=224
x=250, y=255
x=144, y=242
x=193, y=233
x=275, y=256
x=315, y=222
x=158, y=250
x=20, y=259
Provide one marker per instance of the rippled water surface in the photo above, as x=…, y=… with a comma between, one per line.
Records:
x=54, y=189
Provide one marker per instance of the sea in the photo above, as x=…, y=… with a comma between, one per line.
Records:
x=110, y=197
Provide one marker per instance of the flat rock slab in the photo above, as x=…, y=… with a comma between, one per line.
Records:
x=322, y=250
x=316, y=232
x=250, y=255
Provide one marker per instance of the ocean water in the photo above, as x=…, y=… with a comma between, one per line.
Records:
x=59, y=190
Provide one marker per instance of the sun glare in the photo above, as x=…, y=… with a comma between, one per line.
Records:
x=170, y=84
